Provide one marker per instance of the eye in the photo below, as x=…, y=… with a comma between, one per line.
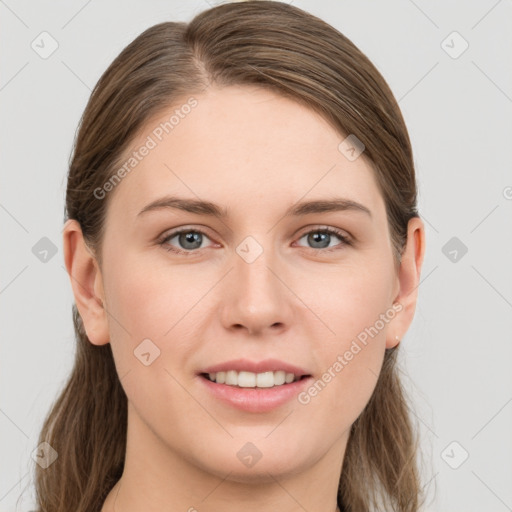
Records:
x=321, y=238
x=189, y=239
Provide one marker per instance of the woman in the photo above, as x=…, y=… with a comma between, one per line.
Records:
x=244, y=249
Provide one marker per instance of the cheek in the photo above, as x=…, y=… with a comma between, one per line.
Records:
x=148, y=318
x=349, y=300
x=149, y=299
x=357, y=311
x=351, y=366
x=156, y=303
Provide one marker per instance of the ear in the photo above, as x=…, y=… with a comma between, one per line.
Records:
x=408, y=279
x=86, y=282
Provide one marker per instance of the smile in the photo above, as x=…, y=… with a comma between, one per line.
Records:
x=245, y=379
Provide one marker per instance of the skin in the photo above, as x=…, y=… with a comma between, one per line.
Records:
x=257, y=154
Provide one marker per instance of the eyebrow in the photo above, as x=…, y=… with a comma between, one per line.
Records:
x=211, y=209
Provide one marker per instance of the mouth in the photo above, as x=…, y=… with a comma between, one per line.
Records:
x=255, y=387
x=245, y=379
x=246, y=394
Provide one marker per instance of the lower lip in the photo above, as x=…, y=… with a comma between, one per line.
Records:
x=255, y=399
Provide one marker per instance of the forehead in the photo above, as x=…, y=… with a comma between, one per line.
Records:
x=242, y=146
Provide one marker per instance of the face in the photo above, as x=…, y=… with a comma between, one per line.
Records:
x=260, y=289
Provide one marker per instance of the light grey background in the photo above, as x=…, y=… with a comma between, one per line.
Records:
x=458, y=111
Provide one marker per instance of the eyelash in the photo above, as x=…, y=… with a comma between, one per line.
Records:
x=332, y=231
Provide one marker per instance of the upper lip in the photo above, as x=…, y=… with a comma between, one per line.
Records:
x=267, y=365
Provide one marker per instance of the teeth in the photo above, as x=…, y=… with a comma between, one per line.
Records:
x=252, y=380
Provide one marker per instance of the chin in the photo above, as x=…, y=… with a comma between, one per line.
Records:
x=246, y=463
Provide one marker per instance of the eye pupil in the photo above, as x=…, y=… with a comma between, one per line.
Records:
x=319, y=237
x=190, y=237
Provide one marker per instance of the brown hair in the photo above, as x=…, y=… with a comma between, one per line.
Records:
x=290, y=52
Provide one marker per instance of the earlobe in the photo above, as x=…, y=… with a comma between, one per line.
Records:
x=86, y=282
x=409, y=279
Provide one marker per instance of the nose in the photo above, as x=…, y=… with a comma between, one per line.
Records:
x=256, y=296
